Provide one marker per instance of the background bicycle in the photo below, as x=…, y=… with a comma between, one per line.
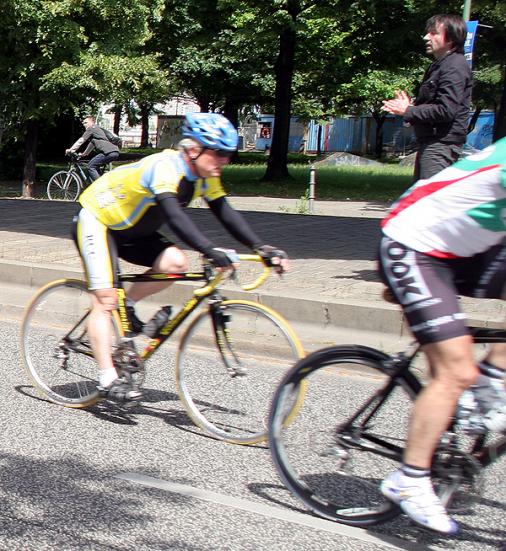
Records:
x=67, y=184
x=351, y=430
x=229, y=359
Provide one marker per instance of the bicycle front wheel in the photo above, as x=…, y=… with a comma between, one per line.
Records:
x=349, y=432
x=55, y=346
x=229, y=362
x=64, y=185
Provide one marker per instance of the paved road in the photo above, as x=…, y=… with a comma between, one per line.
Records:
x=103, y=480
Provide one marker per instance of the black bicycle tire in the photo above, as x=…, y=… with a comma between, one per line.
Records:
x=369, y=357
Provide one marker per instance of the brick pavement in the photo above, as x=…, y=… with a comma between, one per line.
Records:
x=332, y=282
x=331, y=256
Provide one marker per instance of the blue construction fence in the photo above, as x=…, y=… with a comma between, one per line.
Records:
x=358, y=134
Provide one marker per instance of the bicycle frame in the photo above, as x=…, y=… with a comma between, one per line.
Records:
x=76, y=167
x=401, y=363
x=174, y=322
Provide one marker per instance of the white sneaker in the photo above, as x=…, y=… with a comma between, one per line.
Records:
x=416, y=497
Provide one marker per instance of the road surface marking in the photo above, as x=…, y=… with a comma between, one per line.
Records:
x=273, y=512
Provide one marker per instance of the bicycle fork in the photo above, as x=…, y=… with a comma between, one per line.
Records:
x=224, y=340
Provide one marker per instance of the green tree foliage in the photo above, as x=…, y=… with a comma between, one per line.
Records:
x=61, y=55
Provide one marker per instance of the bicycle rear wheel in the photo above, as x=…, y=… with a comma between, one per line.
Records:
x=229, y=362
x=64, y=185
x=325, y=455
x=55, y=346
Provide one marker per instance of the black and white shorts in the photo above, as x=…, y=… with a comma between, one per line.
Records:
x=427, y=287
x=100, y=249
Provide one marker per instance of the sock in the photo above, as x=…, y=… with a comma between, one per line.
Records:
x=414, y=472
x=107, y=376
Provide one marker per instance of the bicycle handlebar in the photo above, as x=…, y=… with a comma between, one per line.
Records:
x=218, y=276
x=260, y=280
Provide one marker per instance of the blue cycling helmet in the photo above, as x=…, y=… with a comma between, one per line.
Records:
x=212, y=130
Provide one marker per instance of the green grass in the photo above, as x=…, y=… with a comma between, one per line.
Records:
x=352, y=183
x=339, y=183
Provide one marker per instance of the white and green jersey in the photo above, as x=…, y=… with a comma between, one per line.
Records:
x=459, y=212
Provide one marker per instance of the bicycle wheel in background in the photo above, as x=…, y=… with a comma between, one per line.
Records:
x=323, y=456
x=55, y=347
x=64, y=185
x=226, y=377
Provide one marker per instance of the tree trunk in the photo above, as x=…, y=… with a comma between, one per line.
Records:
x=277, y=164
x=380, y=120
x=319, y=140
x=231, y=111
x=500, y=122
x=118, y=109
x=29, y=169
x=204, y=103
x=145, y=110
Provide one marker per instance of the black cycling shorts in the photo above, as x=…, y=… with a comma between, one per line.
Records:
x=101, y=247
x=427, y=287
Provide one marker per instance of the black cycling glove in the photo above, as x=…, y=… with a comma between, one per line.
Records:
x=219, y=258
x=267, y=252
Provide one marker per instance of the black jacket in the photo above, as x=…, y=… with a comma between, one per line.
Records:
x=441, y=108
x=96, y=139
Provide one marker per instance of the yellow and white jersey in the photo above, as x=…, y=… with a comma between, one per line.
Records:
x=122, y=197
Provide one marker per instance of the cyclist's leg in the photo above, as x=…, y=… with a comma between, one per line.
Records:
x=94, y=165
x=453, y=369
x=110, y=158
x=98, y=252
x=156, y=252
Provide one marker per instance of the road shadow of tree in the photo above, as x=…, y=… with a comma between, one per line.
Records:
x=68, y=503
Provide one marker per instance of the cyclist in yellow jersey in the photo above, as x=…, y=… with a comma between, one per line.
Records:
x=122, y=215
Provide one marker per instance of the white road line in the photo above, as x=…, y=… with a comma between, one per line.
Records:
x=273, y=512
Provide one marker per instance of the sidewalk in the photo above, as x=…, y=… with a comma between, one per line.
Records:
x=331, y=292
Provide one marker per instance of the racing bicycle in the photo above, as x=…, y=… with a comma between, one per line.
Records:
x=67, y=184
x=229, y=360
x=350, y=432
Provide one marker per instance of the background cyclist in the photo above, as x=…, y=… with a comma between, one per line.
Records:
x=95, y=139
x=122, y=216
x=442, y=238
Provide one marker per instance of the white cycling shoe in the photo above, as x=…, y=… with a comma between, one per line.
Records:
x=416, y=497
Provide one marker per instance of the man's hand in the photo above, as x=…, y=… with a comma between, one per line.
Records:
x=222, y=259
x=398, y=105
x=275, y=258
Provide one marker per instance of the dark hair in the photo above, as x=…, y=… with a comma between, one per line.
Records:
x=454, y=26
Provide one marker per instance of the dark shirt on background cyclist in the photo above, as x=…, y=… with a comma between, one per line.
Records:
x=444, y=237
x=124, y=213
x=95, y=139
x=440, y=112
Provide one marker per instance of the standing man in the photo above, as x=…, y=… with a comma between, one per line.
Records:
x=96, y=140
x=439, y=114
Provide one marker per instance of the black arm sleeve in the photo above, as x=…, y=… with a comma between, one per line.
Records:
x=235, y=223
x=180, y=223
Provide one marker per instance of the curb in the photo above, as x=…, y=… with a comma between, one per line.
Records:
x=318, y=323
